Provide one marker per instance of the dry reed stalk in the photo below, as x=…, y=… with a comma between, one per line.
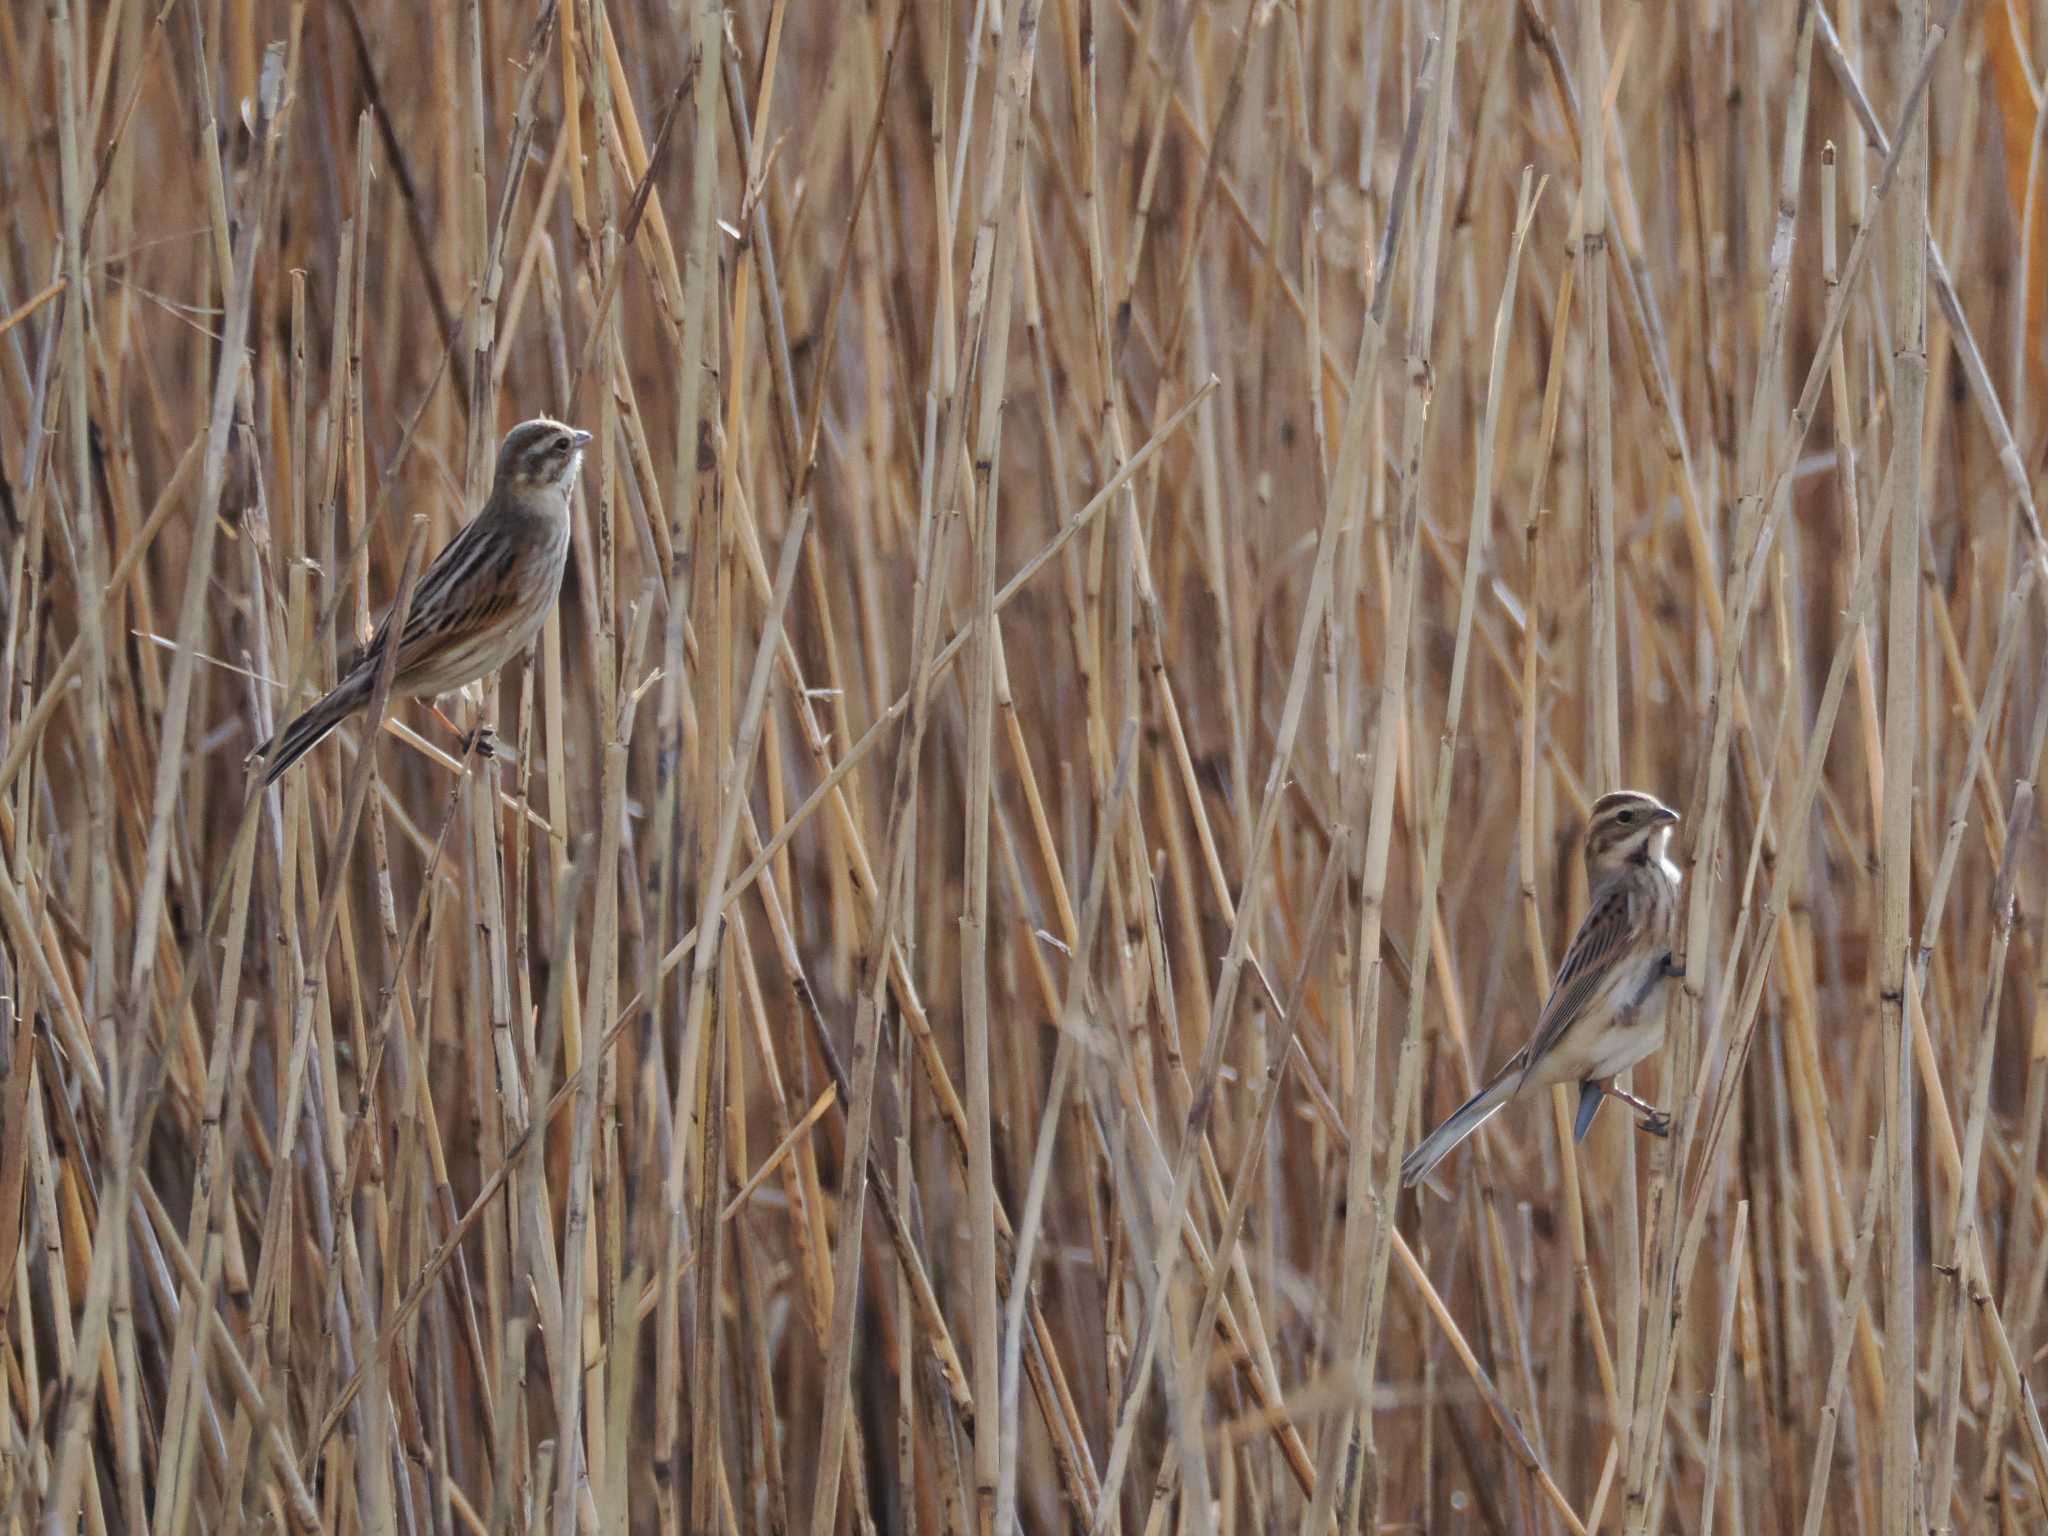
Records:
x=492, y=1145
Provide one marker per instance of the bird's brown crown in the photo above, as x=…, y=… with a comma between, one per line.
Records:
x=1624, y=823
x=538, y=453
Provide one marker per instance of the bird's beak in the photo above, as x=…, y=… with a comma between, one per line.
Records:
x=1663, y=813
x=579, y=440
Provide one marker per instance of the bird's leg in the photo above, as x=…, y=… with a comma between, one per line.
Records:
x=1656, y=1121
x=453, y=728
x=483, y=740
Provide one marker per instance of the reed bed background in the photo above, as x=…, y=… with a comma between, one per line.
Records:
x=1122, y=541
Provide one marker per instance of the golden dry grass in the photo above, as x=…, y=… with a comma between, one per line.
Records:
x=1122, y=541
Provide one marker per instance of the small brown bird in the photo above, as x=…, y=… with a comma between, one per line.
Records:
x=485, y=596
x=1605, y=1012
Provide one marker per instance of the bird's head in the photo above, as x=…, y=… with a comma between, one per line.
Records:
x=1627, y=827
x=539, y=455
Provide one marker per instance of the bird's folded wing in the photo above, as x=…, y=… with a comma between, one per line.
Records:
x=1604, y=934
x=429, y=618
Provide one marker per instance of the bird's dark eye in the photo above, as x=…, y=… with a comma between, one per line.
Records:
x=560, y=444
x=1624, y=817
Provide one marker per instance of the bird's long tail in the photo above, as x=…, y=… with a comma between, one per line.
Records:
x=311, y=728
x=1462, y=1122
